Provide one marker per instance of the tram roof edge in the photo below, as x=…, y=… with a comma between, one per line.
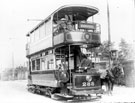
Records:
x=63, y=8
x=82, y=10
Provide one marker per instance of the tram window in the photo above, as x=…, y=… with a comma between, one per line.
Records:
x=50, y=64
x=33, y=65
x=42, y=63
x=50, y=52
x=37, y=64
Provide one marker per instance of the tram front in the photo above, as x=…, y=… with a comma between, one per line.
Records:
x=74, y=37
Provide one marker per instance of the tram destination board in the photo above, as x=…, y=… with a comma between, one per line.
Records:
x=86, y=26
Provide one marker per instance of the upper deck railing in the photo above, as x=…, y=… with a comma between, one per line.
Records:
x=67, y=26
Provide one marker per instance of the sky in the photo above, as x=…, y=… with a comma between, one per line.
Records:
x=14, y=24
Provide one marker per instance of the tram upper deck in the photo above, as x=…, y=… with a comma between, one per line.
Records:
x=67, y=25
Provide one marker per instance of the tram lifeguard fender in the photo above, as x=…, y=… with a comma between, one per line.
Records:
x=62, y=75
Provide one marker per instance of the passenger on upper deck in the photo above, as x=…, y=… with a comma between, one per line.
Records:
x=69, y=22
x=70, y=25
x=62, y=25
x=65, y=23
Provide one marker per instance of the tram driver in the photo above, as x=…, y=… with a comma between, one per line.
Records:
x=82, y=60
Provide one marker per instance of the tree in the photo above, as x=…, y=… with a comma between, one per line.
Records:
x=104, y=49
x=20, y=72
x=124, y=51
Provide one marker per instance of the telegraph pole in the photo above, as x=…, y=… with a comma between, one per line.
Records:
x=134, y=3
x=109, y=34
x=13, y=65
x=13, y=70
x=108, y=21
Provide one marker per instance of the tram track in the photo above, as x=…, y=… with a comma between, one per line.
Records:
x=66, y=98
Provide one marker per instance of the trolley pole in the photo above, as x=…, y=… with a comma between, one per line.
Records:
x=35, y=20
x=109, y=34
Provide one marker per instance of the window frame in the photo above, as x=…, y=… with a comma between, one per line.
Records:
x=46, y=57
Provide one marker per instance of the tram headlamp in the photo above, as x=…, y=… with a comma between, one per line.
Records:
x=87, y=36
x=89, y=78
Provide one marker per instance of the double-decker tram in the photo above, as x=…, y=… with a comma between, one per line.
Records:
x=57, y=51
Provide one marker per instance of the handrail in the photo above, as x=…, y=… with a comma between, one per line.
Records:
x=63, y=26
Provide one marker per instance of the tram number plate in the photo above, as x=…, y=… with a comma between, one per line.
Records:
x=88, y=84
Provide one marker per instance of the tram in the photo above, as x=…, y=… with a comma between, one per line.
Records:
x=57, y=52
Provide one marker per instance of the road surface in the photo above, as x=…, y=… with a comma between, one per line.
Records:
x=16, y=92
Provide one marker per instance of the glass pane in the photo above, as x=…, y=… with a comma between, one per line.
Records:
x=51, y=64
x=43, y=64
x=38, y=64
x=33, y=65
